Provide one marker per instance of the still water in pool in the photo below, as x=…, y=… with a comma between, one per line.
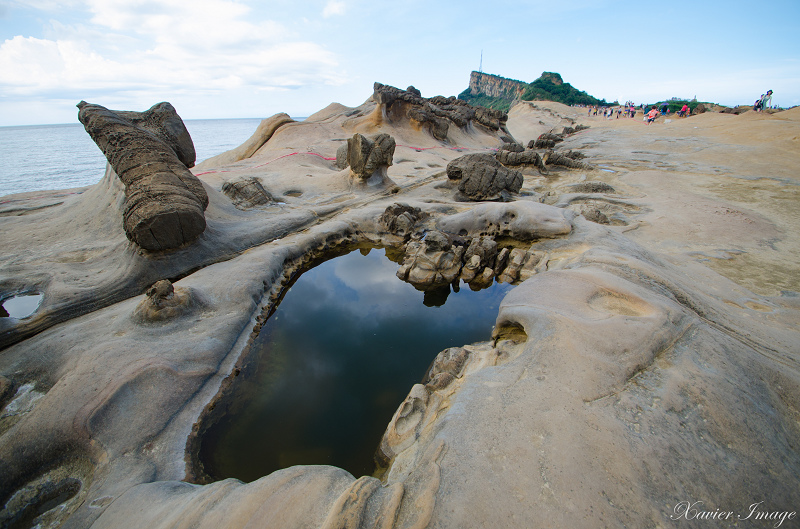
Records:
x=332, y=365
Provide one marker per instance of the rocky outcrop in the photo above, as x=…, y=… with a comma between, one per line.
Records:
x=163, y=302
x=164, y=202
x=565, y=160
x=435, y=114
x=369, y=158
x=525, y=157
x=263, y=133
x=495, y=86
x=399, y=219
x=482, y=177
x=511, y=147
x=431, y=262
x=592, y=187
x=247, y=193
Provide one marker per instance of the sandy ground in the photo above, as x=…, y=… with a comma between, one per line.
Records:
x=717, y=188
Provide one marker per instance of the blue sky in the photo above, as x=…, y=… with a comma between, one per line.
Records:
x=243, y=58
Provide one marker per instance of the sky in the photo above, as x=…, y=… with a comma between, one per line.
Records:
x=247, y=58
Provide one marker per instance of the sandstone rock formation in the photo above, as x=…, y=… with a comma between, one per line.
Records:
x=369, y=158
x=482, y=177
x=525, y=157
x=247, y=193
x=431, y=262
x=565, y=159
x=399, y=219
x=629, y=370
x=435, y=113
x=164, y=202
x=263, y=133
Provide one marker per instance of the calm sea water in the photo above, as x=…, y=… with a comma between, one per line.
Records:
x=40, y=157
x=334, y=362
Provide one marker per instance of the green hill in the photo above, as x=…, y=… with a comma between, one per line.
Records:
x=497, y=92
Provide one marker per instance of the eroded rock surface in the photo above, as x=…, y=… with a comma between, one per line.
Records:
x=369, y=157
x=437, y=112
x=482, y=177
x=164, y=202
x=622, y=377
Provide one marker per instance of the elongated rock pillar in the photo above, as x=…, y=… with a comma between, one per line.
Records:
x=150, y=152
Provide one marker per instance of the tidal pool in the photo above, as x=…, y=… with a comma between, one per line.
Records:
x=334, y=362
x=21, y=306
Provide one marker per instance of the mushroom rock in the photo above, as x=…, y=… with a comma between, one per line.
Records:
x=164, y=202
x=483, y=177
x=369, y=158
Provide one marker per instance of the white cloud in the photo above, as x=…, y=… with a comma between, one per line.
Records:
x=334, y=7
x=166, y=45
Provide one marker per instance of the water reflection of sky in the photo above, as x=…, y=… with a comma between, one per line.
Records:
x=335, y=360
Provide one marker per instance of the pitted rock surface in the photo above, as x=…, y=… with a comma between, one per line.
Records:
x=482, y=177
x=164, y=202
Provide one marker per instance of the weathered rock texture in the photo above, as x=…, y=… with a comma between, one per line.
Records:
x=263, y=133
x=482, y=177
x=524, y=157
x=369, y=157
x=247, y=193
x=164, y=202
x=629, y=371
x=436, y=113
x=565, y=160
x=495, y=86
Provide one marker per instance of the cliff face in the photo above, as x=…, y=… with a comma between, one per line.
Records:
x=495, y=86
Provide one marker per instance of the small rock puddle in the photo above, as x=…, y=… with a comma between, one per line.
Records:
x=21, y=306
x=333, y=363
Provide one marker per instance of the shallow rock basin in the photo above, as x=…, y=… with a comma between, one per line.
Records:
x=22, y=305
x=333, y=363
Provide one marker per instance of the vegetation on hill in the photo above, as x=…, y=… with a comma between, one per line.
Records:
x=549, y=87
x=497, y=103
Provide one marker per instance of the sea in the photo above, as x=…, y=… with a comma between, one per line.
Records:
x=44, y=157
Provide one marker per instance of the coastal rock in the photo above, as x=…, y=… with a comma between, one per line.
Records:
x=436, y=113
x=163, y=302
x=399, y=219
x=482, y=177
x=511, y=147
x=341, y=156
x=521, y=220
x=164, y=202
x=247, y=193
x=556, y=158
x=163, y=120
x=369, y=158
x=432, y=262
x=525, y=157
x=263, y=133
x=592, y=187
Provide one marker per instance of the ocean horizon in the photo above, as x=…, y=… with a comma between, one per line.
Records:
x=63, y=156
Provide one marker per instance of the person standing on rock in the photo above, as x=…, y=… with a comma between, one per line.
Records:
x=766, y=100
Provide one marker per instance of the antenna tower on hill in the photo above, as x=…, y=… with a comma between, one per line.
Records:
x=480, y=68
